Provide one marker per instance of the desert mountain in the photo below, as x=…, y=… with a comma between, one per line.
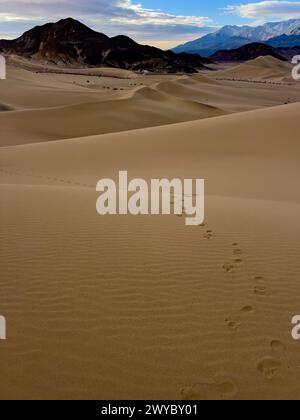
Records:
x=230, y=37
x=285, y=40
x=246, y=53
x=288, y=52
x=69, y=42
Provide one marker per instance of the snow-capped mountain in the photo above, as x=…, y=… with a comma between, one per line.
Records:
x=230, y=37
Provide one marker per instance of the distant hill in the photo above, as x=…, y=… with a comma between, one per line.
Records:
x=285, y=41
x=230, y=37
x=246, y=53
x=262, y=69
x=288, y=52
x=70, y=43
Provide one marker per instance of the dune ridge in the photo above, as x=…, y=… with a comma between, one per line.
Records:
x=262, y=69
x=52, y=107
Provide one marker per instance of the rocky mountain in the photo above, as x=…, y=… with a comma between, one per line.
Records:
x=288, y=52
x=70, y=43
x=246, y=53
x=285, y=40
x=230, y=37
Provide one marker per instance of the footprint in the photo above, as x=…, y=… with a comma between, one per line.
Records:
x=269, y=367
x=260, y=290
x=235, y=322
x=229, y=268
x=208, y=235
x=238, y=261
x=238, y=252
x=277, y=346
x=247, y=309
x=207, y=391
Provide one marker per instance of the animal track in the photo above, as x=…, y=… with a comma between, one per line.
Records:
x=247, y=309
x=47, y=178
x=204, y=391
x=269, y=367
x=260, y=288
x=229, y=268
x=238, y=252
x=208, y=235
x=235, y=322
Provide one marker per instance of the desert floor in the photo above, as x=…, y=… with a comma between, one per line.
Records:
x=123, y=307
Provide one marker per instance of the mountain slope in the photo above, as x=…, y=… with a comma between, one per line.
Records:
x=285, y=41
x=246, y=53
x=69, y=42
x=288, y=52
x=230, y=37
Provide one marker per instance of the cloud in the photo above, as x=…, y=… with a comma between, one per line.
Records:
x=266, y=10
x=109, y=16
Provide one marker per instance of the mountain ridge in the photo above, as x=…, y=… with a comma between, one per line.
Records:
x=70, y=42
x=247, y=52
x=230, y=37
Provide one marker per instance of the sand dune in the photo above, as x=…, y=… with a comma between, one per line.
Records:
x=267, y=69
x=60, y=106
x=157, y=151
x=123, y=307
x=37, y=67
x=232, y=98
x=145, y=307
x=144, y=108
x=42, y=90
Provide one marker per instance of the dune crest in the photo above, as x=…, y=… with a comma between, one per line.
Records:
x=267, y=69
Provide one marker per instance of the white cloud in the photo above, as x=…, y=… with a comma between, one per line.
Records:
x=144, y=16
x=267, y=10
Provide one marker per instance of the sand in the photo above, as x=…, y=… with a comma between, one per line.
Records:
x=263, y=69
x=48, y=106
x=123, y=307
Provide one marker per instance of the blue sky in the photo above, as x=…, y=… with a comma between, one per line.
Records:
x=164, y=23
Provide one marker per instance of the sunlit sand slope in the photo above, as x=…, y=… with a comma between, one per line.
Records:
x=145, y=307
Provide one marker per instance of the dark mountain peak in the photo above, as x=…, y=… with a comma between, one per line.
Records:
x=70, y=42
x=247, y=52
x=70, y=25
x=70, y=21
x=123, y=41
x=63, y=28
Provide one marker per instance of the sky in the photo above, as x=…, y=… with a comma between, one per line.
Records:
x=163, y=23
